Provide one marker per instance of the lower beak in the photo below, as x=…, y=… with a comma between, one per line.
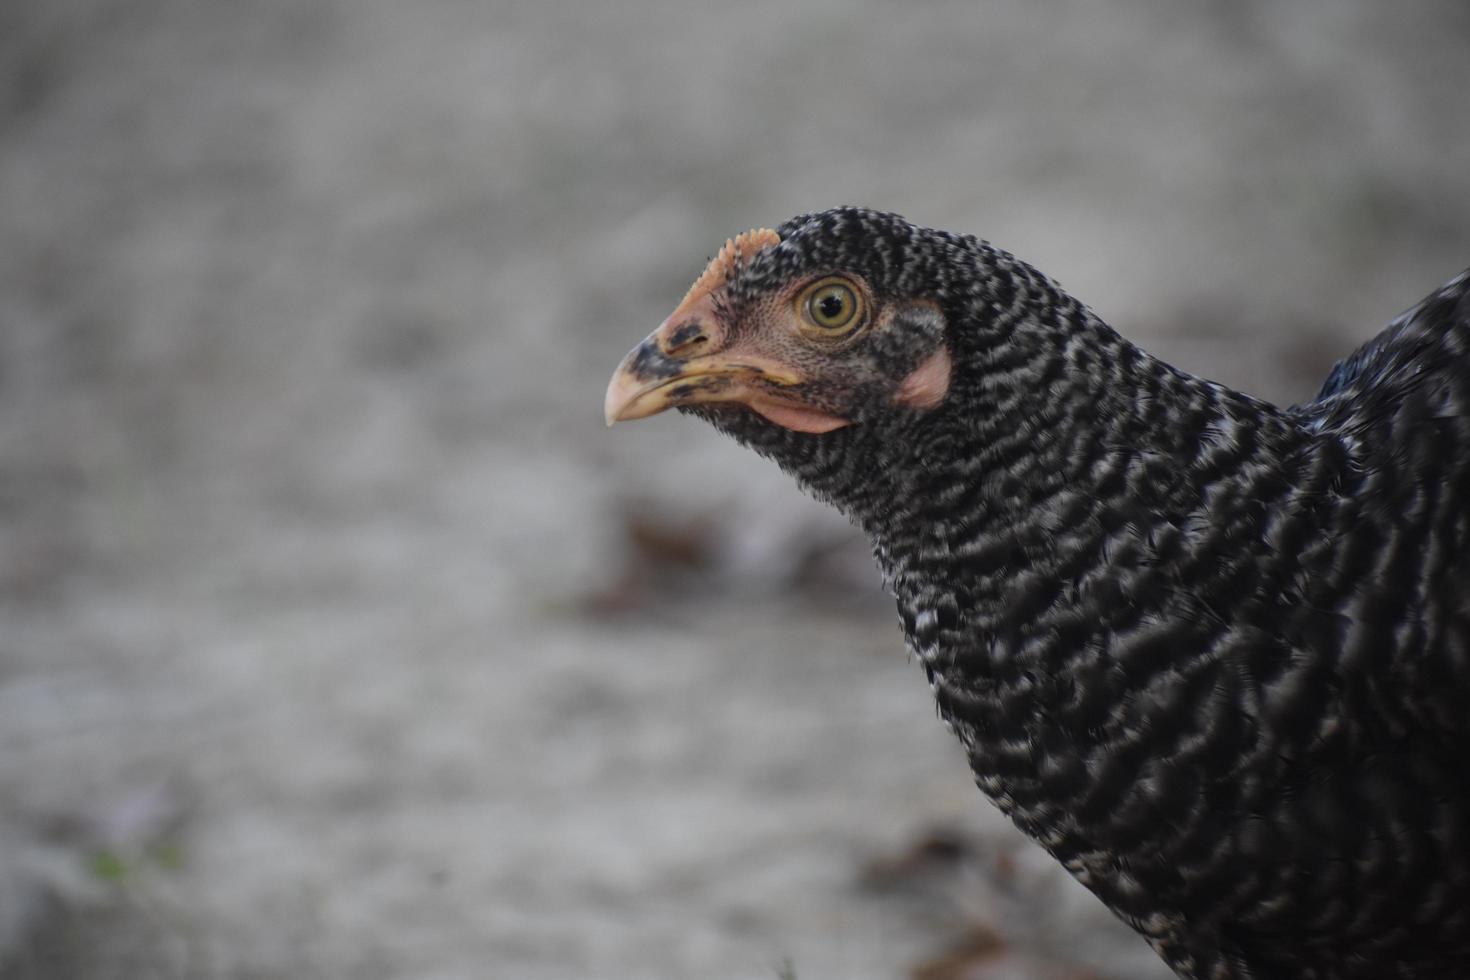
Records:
x=648, y=381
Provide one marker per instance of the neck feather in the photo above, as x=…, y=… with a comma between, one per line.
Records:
x=1065, y=530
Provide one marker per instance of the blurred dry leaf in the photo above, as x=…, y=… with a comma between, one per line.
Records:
x=938, y=850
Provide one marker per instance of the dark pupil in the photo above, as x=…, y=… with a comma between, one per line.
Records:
x=830, y=306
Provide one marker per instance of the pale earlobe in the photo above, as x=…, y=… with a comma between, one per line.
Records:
x=927, y=385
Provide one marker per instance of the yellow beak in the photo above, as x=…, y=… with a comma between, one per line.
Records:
x=648, y=381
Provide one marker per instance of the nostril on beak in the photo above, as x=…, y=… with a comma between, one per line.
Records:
x=685, y=340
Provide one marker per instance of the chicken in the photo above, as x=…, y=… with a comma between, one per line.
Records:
x=1213, y=654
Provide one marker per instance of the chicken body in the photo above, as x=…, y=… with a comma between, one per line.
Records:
x=1214, y=655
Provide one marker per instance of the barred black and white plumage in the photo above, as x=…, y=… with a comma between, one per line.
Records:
x=1213, y=654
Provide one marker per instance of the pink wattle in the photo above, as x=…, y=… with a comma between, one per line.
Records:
x=795, y=417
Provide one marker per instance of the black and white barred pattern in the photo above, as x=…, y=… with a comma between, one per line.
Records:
x=1213, y=654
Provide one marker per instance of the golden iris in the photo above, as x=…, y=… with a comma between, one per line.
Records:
x=832, y=306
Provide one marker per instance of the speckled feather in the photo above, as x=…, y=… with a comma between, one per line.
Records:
x=1213, y=654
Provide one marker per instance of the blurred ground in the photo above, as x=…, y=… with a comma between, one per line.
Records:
x=329, y=646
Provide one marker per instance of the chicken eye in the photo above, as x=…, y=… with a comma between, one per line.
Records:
x=831, y=307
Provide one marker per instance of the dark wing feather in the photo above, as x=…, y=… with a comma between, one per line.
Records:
x=1425, y=351
x=1401, y=405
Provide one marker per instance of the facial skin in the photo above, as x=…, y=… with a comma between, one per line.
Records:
x=811, y=352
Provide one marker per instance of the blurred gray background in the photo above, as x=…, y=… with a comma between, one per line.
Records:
x=340, y=639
